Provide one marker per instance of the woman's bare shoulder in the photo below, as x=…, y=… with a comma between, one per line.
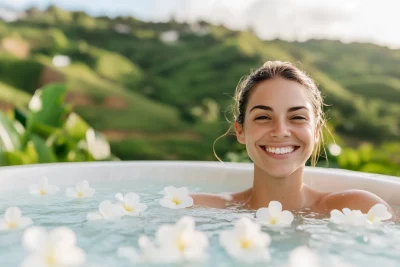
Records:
x=221, y=200
x=353, y=199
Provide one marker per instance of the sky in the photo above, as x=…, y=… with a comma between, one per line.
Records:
x=346, y=20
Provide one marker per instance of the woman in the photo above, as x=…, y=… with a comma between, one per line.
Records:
x=279, y=117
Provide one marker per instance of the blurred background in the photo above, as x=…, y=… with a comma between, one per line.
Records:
x=153, y=80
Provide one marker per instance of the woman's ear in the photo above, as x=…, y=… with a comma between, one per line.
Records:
x=239, y=133
x=316, y=134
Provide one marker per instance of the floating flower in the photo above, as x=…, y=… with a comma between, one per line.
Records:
x=348, y=217
x=149, y=253
x=378, y=213
x=13, y=219
x=176, y=198
x=130, y=204
x=183, y=239
x=174, y=243
x=43, y=188
x=274, y=216
x=246, y=241
x=303, y=257
x=81, y=190
x=107, y=211
x=54, y=249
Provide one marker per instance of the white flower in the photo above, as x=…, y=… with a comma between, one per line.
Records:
x=54, y=249
x=35, y=104
x=12, y=219
x=378, y=213
x=246, y=241
x=183, y=239
x=303, y=257
x=176, y=198
x=43, y=188
x=149, y=253
x=274, y=216
x=130, y=204
x=81, y=190
x=107, y=211
x=348, y=217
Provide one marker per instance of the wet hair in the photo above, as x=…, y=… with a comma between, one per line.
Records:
x=278, y=69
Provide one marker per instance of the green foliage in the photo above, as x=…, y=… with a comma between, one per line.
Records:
x=48, y=132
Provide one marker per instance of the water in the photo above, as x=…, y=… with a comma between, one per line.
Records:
x=101, y=239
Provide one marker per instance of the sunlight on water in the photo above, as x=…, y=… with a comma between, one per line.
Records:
x=100, y=239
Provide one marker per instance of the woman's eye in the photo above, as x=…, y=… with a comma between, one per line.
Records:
x=299, y=118
x=262, y=118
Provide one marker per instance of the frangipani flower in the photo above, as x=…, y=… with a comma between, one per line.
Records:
x=13, y=219
x=81, y=190
x=274, y=216
x=246, y=241
x=107, y=211
x=149, y=253
x=378, y=213
x=43, y=188
x=176, y=198
x=303, y=257
x=130, y=204
x=348, y=217
x=174, y=243
x=54, y=249
x=182, y=239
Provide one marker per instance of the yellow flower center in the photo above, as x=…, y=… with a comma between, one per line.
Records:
x=181, y=245
x=176, y=201
x=12, y=225
x=245, y=243
x=42, y=192
x=80, y=194
x=50, y=260
x=128, y=208
x=273, y=221
x=371, y=218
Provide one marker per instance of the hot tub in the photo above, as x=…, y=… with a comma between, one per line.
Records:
x=100, y=239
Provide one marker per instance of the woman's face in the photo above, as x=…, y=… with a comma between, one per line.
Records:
x=279, y=130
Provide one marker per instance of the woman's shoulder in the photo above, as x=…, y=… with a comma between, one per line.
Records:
x=353, y=199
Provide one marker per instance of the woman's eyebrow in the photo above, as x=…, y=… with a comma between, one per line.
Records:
x=268, y=108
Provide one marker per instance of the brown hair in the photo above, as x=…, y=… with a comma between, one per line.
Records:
x=285, y=70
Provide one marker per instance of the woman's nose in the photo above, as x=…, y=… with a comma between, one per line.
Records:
x=280, y=129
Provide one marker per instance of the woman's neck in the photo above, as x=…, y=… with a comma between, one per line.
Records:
x=289, y=191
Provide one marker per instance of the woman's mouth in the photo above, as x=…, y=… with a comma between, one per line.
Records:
x=279, y=152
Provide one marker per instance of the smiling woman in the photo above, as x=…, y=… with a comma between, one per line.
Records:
x=279, y=118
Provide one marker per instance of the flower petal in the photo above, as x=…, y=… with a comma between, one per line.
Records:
x=132, y=197
x=286, y=218
x=303, y=257
x=109, y=210
x=34, y=189
x=24, y=222
x=142, y=207
x=380, y=211
x=129, y=253
x=35, y=260
x=71, y=192
x=169, y=190
x=44, y=182
x=275, y=208
x=337, y=216
x=63, y=237
x=119, y=197
x=70, y=256
x=167, y=203
x=186, y=202
x=262, y=214
x=13, y=214
x=34, y=238
x=182, y=191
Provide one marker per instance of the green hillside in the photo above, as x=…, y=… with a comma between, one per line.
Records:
x=156, y=98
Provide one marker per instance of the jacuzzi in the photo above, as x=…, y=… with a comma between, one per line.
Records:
x=100, y=239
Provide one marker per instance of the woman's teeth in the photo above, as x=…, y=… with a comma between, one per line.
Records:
x=279, y=150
